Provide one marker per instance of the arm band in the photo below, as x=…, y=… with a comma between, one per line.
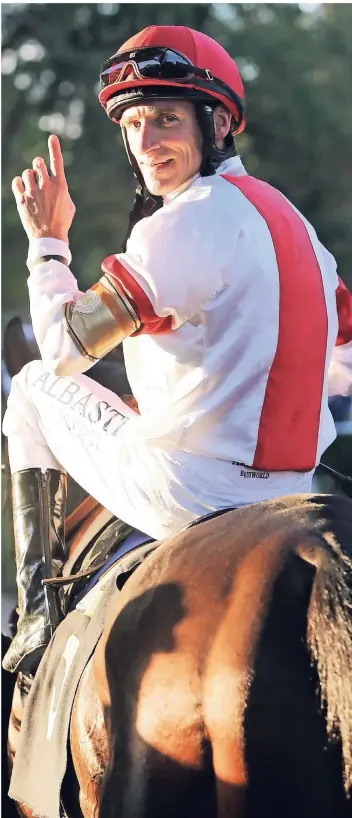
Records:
x=100, y=319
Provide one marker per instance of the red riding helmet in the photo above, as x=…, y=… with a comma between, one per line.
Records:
x=168, y=62
x=190, y=63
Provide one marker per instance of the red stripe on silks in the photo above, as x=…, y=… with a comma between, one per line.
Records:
x=344, y=309
x=152, y=324
x=290, y=416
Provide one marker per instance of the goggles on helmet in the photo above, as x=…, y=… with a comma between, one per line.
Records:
x=151, y=63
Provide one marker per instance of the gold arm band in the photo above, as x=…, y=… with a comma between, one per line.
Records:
x=99, y=320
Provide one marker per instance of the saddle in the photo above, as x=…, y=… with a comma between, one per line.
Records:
x=112, y=539
x=107, y=540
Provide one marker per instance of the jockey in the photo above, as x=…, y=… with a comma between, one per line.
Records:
x=233, y=320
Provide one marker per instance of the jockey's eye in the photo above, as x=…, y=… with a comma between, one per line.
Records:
x=169, y=119
x=161, y=120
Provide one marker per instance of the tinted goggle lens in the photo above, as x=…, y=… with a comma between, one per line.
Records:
x=148, y=64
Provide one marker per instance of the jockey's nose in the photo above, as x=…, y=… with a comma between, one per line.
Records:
x=149, y=137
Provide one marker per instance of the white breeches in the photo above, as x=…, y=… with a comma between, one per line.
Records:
x=79, y=426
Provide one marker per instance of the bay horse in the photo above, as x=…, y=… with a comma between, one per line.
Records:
x=221, y=686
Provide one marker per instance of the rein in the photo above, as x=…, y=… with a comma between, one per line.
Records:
x=342, y=478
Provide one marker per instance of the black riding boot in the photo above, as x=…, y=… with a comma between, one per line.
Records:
x=39, y=501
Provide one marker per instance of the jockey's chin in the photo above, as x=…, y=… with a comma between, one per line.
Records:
x=165, y=176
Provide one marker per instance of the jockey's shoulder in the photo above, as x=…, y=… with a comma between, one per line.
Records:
x=200, y=209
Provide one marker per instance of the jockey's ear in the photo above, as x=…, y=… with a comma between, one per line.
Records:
x=222, y=125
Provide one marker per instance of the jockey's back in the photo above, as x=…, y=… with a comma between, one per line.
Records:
x=243, y=299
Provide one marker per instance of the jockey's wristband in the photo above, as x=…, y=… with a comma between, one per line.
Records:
x=44, y=249
x=43, y=259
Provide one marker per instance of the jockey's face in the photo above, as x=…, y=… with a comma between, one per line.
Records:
x=166, y=141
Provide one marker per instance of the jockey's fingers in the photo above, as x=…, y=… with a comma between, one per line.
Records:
x=40, y=169
x=18, y=188
x=30, y=180
x=57, y=167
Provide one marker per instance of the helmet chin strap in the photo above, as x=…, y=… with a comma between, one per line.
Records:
x=145, y=204
x=212, y=155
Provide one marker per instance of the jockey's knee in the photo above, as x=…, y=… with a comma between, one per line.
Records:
x=19, y=400
x=19, y=382
x=29, y=373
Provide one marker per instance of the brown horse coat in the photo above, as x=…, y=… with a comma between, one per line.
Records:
x=204, y=696
x=190, y=731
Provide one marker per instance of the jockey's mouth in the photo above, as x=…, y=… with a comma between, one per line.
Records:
x=155, y=165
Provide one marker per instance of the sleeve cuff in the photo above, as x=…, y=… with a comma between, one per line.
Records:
x=48, y=247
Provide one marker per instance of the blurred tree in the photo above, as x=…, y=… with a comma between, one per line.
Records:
x=296, y=65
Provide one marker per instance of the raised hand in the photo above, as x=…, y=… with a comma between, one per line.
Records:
x=43, y=201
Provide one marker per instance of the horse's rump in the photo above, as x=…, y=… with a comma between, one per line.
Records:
x=177, y=668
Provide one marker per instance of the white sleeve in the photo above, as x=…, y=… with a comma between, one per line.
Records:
x=340, y=371
x=51, y=285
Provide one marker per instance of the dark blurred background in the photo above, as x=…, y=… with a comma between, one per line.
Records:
x=295, y=60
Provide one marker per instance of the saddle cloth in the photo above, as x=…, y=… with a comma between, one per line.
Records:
x=115, y=551
x=41, y=757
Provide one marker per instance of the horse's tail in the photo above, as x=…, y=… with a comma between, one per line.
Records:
x=329, y=626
